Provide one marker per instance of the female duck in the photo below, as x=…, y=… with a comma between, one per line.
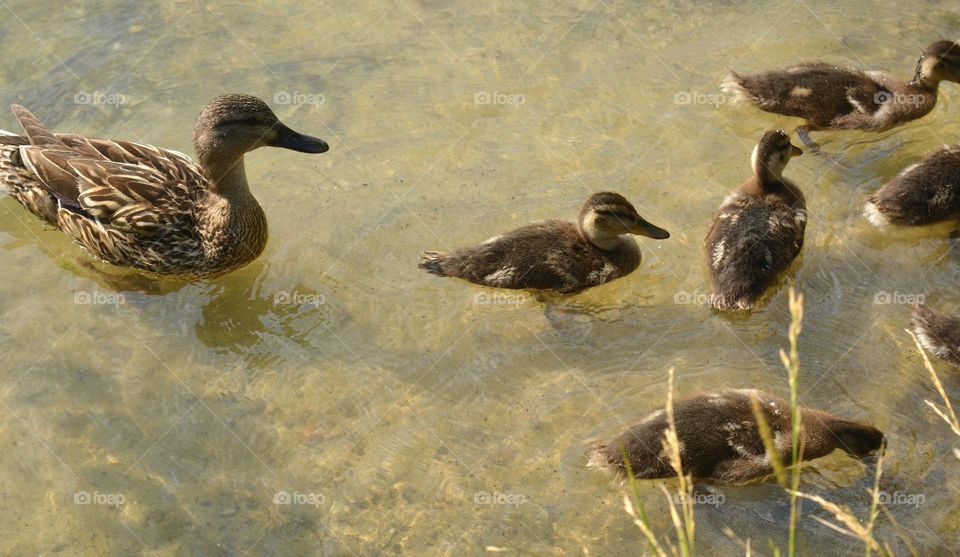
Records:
x=938, y=333
x=829, y=97
x=720, y=438
x=148, y=208
x=758, y=230
x=555, y=255
x=923, y=193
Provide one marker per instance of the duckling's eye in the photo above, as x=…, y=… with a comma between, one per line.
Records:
x=613, y=214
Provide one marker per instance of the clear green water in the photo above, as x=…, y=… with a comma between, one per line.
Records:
x=386, y=401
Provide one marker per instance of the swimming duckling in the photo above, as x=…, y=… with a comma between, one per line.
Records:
x=938, y=333
x=758, y=230
x=924, y=193
x=720, y=439
x=555, y=255
x=837, y=98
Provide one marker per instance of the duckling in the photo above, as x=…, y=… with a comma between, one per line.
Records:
x=720, y=438
x=556, y=255
x=147, y=208
x=923, y=193
x=938, y=333
x=758, y=230
x=829, y=97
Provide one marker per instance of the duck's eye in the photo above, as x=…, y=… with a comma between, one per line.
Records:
x=248, y=121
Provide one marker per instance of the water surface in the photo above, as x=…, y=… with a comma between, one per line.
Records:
x=331, y=398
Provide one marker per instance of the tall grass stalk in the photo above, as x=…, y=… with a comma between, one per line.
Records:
x=791, y=363
x=684, y=520
x=947, y=412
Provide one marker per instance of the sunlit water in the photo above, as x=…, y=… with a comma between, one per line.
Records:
x=332, y=399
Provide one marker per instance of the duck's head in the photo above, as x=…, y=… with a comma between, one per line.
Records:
x=857, y=439
x=606, y=216
x=940, y=61
x=231, y=125
x=772, y=154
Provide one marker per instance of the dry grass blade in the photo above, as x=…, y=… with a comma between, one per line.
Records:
x=948, y=414
x=847, y=518
x=791, y=363
x=686, y=524
x=643, y=525
x=766, y=435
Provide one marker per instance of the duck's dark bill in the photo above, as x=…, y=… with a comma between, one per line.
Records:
x=289, y=139
x=644, y=228
x=795, y=151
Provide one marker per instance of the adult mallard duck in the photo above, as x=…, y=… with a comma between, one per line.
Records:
x=148, y=208
x=720, y=438
x=555, y=255
x=829, y=97
x=758, y=230
x=938, y=333
x=924, y=193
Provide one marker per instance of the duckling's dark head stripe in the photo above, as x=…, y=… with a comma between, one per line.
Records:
x=616, y=211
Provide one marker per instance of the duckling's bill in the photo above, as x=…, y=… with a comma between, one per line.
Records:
x=644, y=228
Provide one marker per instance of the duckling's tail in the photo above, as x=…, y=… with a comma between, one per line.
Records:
x=722, y=302
x=599, y=459
x=432, y=262
x=873, y=213
x=937, y=332
x=733, y=86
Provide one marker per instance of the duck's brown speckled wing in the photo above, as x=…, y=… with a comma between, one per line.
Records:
x=820, y=93
x=750, y=241
x=127, y=186
x=549, y=255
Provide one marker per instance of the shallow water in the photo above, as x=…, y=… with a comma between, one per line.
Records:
x=332, y=399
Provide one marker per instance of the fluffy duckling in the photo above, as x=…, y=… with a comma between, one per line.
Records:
x=924, y=193
x=837, y=98
x=555, y=255
x=720, y=439
x=758, y=230
x=938, y=333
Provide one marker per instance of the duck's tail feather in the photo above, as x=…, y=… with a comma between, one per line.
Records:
x=937, y=332
x=871, y=210
x=732, y=302
x=598, y=459
x=432, y=262
x=733, y=85
x=34, y=128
